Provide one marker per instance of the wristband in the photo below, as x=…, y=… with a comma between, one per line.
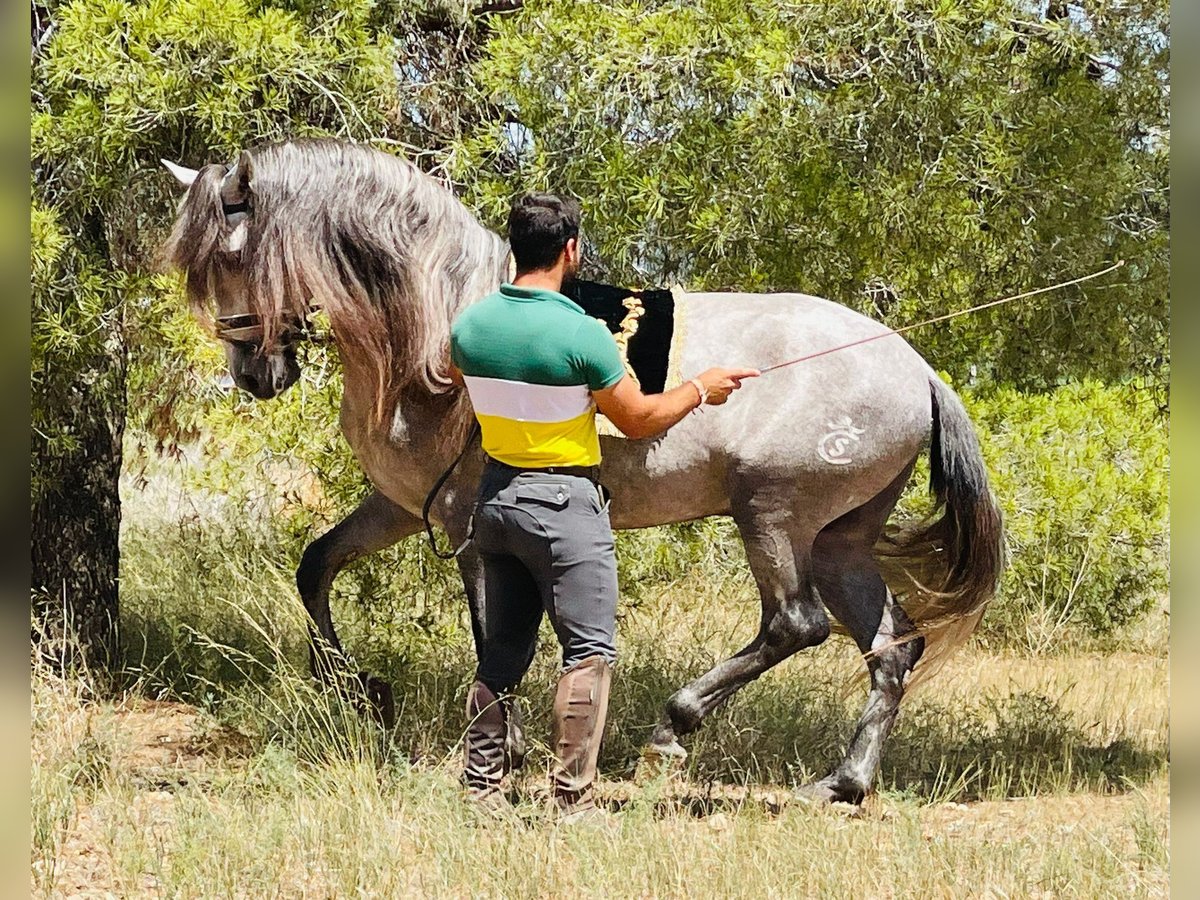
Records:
x=700, y=388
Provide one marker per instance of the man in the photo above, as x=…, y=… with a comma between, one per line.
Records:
x=536, y=368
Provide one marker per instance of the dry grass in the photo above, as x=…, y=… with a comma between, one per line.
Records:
x=1044, y=778
x=140, y=798
x=216, y=769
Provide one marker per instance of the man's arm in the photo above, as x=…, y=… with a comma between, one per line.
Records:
x=641, y=415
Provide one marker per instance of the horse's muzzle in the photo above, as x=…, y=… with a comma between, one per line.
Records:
x=265, y=378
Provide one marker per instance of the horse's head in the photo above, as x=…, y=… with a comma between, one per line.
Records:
x=387, y=254
x=210, y=244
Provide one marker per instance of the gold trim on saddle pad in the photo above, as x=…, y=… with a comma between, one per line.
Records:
x=629, y=327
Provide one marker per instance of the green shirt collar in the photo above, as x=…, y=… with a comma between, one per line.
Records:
x=530, y=295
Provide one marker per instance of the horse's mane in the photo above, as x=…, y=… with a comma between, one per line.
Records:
x=388, y=253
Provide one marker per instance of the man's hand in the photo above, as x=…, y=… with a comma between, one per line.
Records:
x=642, y=416
x=720, y=383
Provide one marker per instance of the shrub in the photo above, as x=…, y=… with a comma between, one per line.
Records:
x=1081, y=474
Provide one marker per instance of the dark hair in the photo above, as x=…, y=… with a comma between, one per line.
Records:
x=539, y=226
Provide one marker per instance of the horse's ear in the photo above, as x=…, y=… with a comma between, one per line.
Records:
x=235, y=186
x=183, y=174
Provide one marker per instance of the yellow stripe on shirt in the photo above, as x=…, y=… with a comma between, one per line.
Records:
x=572, y=442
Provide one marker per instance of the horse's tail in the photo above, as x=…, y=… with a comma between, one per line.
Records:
x=947, y=569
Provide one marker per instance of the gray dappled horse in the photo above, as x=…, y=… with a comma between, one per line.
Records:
x=808, y=460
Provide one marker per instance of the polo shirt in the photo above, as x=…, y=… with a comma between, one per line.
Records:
x=531, y=358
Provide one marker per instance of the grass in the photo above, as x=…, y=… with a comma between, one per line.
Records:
x=213, y=766
x=312, y=804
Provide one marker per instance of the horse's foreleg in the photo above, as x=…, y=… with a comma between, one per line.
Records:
x=792, y=619
x=376, y=523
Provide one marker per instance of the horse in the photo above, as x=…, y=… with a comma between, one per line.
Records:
x=808, y=460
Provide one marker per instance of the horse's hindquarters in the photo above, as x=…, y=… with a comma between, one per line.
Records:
x=835, y=430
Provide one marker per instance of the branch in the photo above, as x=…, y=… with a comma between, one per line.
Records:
x=443, y=20
x=41, y=29
x=851, y=65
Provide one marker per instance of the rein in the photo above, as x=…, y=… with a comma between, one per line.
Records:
x=432, y=495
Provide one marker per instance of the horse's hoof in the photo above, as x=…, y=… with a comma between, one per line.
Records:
x=658, y=759
x=381, y=702
x=828, y=793
x=664, y=744
x=671, y=751
x=650, y=769
x=816, y=794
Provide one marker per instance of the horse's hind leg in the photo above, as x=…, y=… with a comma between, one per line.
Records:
x=848, y=580
x=779, y=551
x=376, y=523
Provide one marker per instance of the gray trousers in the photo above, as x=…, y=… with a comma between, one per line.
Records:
x=547, y=547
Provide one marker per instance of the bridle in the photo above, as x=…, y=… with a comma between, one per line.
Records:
x=248, y=330
x=244, y=328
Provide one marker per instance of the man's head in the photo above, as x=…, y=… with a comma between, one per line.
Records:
x=543, y=232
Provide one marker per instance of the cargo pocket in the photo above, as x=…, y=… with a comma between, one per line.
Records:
x=549, y=495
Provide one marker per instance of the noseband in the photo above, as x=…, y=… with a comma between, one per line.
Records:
x=248, y=329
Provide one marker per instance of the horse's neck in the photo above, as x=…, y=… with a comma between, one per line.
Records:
x=416, y=443
x=425, y=432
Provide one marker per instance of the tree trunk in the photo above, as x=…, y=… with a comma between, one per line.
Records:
x=76, y=507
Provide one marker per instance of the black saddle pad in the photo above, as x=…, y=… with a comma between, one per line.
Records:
x=650, y=346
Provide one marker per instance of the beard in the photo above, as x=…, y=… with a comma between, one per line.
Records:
x=570, y=273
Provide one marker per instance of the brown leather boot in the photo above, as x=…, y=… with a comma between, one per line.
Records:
x=580, y=708
x=485, y=752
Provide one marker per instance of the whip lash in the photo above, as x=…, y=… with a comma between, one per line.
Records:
x=763, y=370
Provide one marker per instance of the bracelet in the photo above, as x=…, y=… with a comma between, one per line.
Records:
x=699, y=386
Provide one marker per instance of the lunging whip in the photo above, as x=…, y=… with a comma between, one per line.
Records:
x=954, y=315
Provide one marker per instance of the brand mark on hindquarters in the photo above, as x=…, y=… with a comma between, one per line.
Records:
x=836, y=445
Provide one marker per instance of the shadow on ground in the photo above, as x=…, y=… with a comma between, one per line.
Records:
x=779, y=731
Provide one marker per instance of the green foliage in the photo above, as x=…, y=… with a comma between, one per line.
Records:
x=122, y=82
x=906, y=160
x=120, y=85
x=75, y=322
x=115, y=86
x=1081, y=474
x=652, y=559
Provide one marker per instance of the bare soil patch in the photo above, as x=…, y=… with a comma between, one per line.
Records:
x=163, y=743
